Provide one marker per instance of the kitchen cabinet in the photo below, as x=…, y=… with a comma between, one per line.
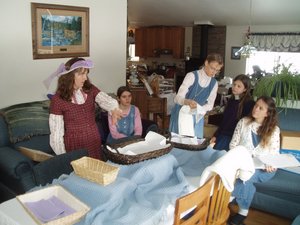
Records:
x=148, y=39
x=140, y=45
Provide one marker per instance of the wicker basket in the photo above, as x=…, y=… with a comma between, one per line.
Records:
x=188, y=147
x=130, y=159
x=61, y=193
x=95, y=170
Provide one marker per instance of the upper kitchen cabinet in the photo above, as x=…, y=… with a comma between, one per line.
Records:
x=150, y=40
x=140, y=46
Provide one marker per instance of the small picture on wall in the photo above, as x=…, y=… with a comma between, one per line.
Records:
x=234, y=53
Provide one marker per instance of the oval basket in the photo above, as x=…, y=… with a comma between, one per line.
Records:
x=130, y=159
x=199, y=147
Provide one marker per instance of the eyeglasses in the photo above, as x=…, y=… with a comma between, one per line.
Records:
x=214, y=69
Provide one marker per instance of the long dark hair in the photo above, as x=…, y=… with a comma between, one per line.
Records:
x=65, y=87
x=270, y=122
x=245, y=96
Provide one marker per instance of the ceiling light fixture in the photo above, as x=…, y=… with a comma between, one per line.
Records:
x=247, y=49
x=203, y=22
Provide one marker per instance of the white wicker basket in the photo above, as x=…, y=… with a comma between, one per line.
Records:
x=62, y=194
x=95, y=170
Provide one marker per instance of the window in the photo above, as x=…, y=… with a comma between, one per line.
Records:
x=131, y=51
x=268, y=60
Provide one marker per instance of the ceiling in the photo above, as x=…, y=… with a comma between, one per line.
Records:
x=217, y=12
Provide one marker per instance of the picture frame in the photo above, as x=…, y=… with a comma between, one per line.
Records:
x=59, y=31
x=234, y=54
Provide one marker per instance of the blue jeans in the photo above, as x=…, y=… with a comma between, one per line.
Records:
x=244, y=191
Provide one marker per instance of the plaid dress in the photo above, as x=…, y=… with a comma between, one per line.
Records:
x=81, y=131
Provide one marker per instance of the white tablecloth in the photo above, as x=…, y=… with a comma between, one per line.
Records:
x=13, y=213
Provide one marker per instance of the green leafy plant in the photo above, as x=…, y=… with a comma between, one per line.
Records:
x=283, y=85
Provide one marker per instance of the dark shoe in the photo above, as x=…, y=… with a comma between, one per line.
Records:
x=237, y=219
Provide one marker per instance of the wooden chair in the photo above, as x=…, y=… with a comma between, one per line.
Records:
x=218, y=212
x=199, y=200
x=157, y=111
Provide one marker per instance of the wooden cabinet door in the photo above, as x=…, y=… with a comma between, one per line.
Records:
x=140, y=42
x=177, y=41
x=151, y=38
x=173, y=38
x=151, y=41
x=167, y=38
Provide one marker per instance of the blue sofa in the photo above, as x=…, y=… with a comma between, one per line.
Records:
x=281, y=195
x=27, y=125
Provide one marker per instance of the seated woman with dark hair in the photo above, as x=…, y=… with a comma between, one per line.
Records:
x=260, y=134
x=130, y=124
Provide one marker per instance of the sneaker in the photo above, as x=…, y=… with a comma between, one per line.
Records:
x=237, y=219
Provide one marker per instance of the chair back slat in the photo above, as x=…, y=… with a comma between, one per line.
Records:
x=197, y=201
x=157, y=110
x=218, y=210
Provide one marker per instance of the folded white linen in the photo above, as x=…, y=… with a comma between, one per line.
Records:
x=153, y=141
x=186, y=121
x=188, y=140
x=235, y=163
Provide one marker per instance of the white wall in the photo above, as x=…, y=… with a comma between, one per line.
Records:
x=235, y=37
x=21, y=77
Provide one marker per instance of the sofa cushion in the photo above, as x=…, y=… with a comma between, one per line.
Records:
x=27, y=120
x=278, y=206
x=284, y=185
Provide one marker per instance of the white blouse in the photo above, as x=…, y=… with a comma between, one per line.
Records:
x=242, y=136
x=56, y=122
x=203, y=81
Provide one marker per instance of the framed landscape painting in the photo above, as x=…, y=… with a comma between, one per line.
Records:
x=59, y=31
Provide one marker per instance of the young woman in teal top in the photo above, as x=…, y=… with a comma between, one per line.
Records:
x=130, y=124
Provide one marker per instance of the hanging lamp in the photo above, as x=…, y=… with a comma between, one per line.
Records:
x=247, y=49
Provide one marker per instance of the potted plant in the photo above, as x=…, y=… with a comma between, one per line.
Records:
x=283, y=85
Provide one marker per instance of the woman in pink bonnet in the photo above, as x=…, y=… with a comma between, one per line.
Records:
x=72, y=109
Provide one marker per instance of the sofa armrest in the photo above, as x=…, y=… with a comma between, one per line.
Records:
x=13, y=163
x=16, y=170
x=52, y=168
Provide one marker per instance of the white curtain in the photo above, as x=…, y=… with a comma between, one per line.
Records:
x=276, y=42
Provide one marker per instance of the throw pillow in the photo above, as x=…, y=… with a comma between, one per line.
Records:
x=27, y=119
